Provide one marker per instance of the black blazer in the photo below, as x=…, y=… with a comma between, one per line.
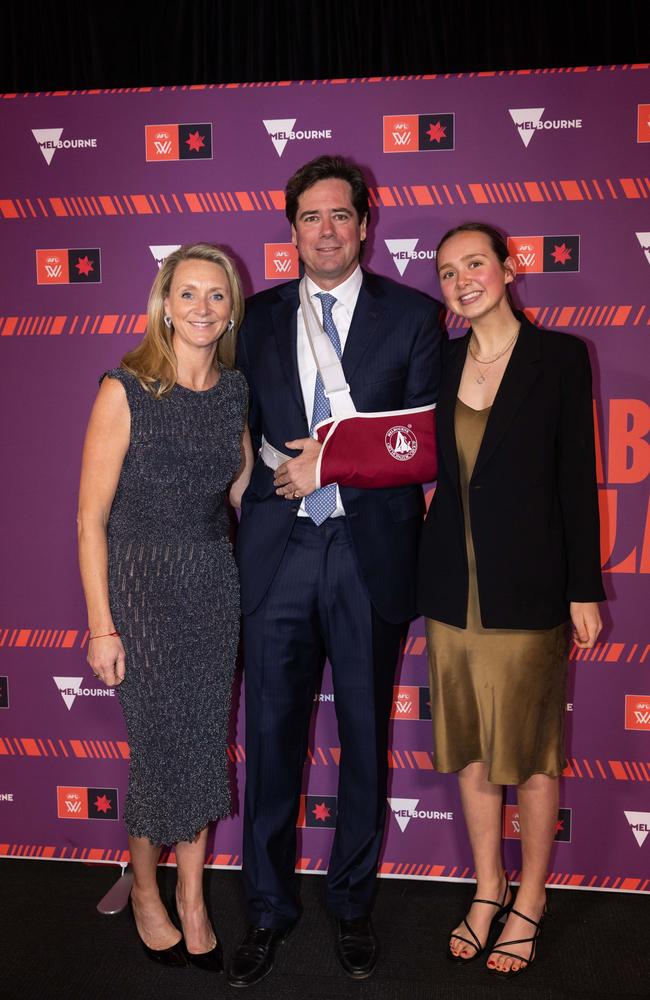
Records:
x=391, y=361
x=533, y=496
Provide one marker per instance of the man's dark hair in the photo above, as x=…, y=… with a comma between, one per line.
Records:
x=322, y=169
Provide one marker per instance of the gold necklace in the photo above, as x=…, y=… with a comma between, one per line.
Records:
x=482, y=375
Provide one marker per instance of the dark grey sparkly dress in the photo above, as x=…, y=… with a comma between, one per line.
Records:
x=174, y=596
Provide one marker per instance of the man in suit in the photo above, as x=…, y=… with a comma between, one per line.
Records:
x=327, y=573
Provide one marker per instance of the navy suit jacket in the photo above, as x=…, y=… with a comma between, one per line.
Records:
x=391, y=361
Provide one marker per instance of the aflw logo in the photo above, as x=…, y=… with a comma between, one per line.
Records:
x=178, y=141
x=280, y=261
x=411, y=703
x=69, y=266
x=529, y=121
x=402, y=138
x=637, y=712
x=526, y=256
x=418, y=133
x=542, y=254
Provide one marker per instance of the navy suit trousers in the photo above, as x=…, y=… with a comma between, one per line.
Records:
x=317, y=606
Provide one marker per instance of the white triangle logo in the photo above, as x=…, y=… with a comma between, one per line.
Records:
x=43, y=135
x=402, y=809
x=396, y=247
x=160, y=253
x=68, y=689
x=526, y=120
x=644, y=240
x=278, y=129
x=639, y=824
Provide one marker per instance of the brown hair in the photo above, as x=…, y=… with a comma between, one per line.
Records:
x=322, y=169
x=498, y=241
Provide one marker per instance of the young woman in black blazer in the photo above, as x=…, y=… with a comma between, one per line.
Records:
x=510, y=554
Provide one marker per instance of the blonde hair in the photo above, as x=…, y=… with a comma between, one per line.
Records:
x=153, y=361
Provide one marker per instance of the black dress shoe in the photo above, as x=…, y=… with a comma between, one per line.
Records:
x=208, y=961
x=174, y=957
x=253, y=957
x=357, y=948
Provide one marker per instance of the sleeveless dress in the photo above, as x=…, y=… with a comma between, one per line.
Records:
x=174, y=596
x=497, y=695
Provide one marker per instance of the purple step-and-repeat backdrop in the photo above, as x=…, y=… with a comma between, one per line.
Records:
x=97, y=187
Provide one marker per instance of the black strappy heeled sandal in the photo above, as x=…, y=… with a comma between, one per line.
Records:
x=503, y=908
x=537, y=924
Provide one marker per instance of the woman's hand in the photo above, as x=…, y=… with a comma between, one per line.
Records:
x=587, y=623
x=107, y=659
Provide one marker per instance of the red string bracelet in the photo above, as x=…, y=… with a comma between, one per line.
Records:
x=104, y=635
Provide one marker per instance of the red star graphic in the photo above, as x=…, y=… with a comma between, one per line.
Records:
x=103, y=804
x=195, y=142
x=436, y=132
x=561, y=254
x=84, y=265
x=559, y=825
x=321, y=811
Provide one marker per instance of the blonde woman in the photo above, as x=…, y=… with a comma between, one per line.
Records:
x=166, y=446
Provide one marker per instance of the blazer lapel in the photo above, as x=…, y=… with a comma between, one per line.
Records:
x=366, y=318
x=522, y=372
x=284, y=315
x=453, y=361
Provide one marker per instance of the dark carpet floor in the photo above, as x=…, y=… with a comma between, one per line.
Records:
x=54, y=944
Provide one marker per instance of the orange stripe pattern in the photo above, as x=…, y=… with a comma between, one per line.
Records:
x=28, y=746
x=575, y=317
x=56, y=326
x=495, y=192
x=334, y=81
x=400, y=869
x=70, y=638
x=413, y=760
x=92, y=206
x=567, y=317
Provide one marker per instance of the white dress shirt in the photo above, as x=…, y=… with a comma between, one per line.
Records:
x=346, y=295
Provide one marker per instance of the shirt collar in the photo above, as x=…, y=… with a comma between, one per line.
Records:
x=346, y=293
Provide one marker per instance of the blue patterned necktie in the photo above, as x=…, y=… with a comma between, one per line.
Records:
x=322, y=503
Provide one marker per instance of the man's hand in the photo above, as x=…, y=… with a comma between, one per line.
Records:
x=297, y=477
